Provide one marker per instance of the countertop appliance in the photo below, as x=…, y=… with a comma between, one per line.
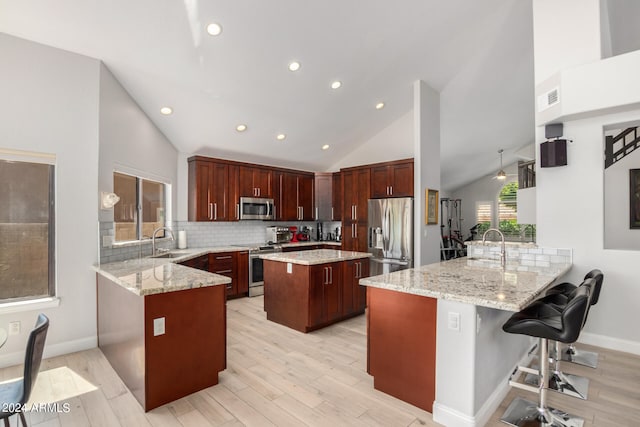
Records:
x=390, y=234
x=277, y=234
x=256, y=272
x=256, y=208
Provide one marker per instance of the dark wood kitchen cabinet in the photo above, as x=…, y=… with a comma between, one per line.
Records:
x=243, y=273
x=392, y=179
x=355, y=191
x=336, y=196
x=199, y=263
x=354, y=295
x=208, y=190
x=325, y=288
x=294, y=196
x=255, y=182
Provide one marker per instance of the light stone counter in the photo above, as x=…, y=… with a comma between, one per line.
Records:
x=316, y=256
x=478, y=282
x=147, y=276
x=311, y=243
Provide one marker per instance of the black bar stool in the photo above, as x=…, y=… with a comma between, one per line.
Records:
x=571, y=353
x=545, y=321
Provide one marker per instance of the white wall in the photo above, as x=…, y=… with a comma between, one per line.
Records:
x=395, y=142
x=130, y=142
x=50, y=104
x=617, y=234
x=570, y=210
x=426, y=108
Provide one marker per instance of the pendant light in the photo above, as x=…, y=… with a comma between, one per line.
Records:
x=501, y=175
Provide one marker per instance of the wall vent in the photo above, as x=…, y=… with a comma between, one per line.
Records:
x=548, y=99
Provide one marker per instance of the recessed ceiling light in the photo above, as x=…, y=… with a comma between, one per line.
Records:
x=325, y=147
x=214, y=29
x=294, y=66
x=241, y=128
x=281, y=136
x=379, y=105
x=336, y=84
x=166, y=111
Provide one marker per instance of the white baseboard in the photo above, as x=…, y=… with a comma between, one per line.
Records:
x=610, y=343
x=17, y=358
x=453, y=418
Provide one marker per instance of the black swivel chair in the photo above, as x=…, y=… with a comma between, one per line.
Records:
x=15, y=394
x=560, y=293
x=543, y=320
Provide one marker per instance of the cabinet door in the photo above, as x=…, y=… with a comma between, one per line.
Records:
x=361, y=238
x=243, y=272
x=200, y=181
x=336, y=197
x=333, y=292
x=363, y=194
x=348, y=283
x=305, y=197
x=317, y=277
x=359, y=291
x=349, y=195
x=278, y=200
x=263, y=182
x=219, y=192
x=401, y=180
x=233, y=208
x=289, y=197
x=380, y=185
x=246, y=188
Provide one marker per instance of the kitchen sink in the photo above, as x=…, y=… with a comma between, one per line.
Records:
x=170, y=255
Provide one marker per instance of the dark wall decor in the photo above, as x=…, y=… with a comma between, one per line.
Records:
x=634, y=198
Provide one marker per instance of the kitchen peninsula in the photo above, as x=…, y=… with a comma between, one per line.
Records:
x=434, y=332
x=162, y=326
x=308, y=290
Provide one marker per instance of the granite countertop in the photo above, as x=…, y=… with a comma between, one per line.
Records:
x=469, y=281
x=147, y=276
x=316, y=256
x=310, y=243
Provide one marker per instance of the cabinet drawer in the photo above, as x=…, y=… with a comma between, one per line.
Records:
x=221, y=261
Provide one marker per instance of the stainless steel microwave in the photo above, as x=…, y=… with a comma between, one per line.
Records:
x=256, y=208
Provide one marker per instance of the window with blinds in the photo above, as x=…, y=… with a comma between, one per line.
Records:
x=484, y=212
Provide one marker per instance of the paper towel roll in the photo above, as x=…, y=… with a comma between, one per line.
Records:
x=182, y=239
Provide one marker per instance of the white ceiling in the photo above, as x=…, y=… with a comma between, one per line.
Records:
x=478, y=54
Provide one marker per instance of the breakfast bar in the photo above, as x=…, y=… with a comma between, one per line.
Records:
x=435, y=337
x=162, y=326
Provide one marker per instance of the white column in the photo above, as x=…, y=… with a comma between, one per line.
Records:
x=426, y=110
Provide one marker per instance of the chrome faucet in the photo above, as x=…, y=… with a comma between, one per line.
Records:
x=503, y=255
x=153, y=238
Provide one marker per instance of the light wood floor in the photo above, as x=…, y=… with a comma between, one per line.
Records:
x=277, y=376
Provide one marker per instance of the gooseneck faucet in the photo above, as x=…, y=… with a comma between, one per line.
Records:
x=503, y=255
x=153, y=238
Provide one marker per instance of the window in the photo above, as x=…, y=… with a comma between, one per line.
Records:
x=27, y=245
x=508, y=215
x=141, y=209
x=484, y=211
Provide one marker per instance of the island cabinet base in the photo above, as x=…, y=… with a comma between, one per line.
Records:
x=401, y=345
x=186, y=358
x=310, y=297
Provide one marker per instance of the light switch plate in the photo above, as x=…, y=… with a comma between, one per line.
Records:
x=454, y=321
x=14, y=328
x=158, y=326
x=289, y=268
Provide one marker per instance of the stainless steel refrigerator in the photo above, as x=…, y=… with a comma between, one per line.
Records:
x=390, y=234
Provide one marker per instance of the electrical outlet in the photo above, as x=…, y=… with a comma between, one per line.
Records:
x=289, y=268
x=158, y=326
x=14, y=328
x=454, y=321
x=478, y=322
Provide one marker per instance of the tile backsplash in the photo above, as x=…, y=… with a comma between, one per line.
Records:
x=527, y=254
x=199, y=235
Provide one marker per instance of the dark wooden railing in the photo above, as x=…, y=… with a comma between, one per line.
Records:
x=630, y=141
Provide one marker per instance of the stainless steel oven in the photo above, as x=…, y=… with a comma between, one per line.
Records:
x=256, y=277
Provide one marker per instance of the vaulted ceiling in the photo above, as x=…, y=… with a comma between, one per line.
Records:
x=478, y=54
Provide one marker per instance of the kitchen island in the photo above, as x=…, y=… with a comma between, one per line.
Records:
x=162, y=326
x=434, y=332
x=308, y=290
